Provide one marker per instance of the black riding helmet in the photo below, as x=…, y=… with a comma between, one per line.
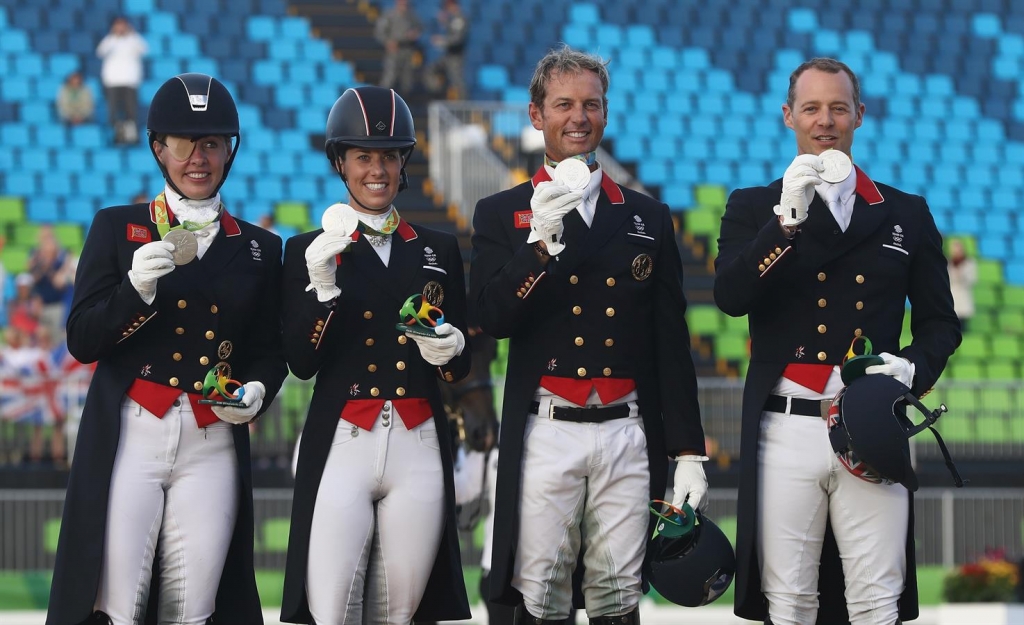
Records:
x=193, y=105
x=373, y=118
x=690, y=561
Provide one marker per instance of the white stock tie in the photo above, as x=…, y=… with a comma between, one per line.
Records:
x=835, y=205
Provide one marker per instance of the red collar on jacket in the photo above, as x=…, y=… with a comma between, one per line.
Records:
x=866, y=188
x=608, y=185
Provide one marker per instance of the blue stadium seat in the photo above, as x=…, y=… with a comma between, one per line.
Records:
x=270, y=188
x=16, y=89
x=262, y=28
x=315, y=50
x=302, y=72
x=161, y=23
x=86, y=136
x=295, y=28
x=688, y=172
x=340, y=75
x=994, y=246
x=1015, y=272
x=966, y=222
x=138, y=7
x=38, y=115
x=998, y=222
x=492, y=77
x=92, y=185
x=695, y=58
x=284, y=50
x=43, y=209
x=677, y=196
x=304, y=188
x=289, y=95
x=986, y=25
x=664, y=148
x=654, y=172
x=610, y=36
x=803, y=21
x=639, y=36
x=584, y=13
x=629, y=148
x=578, y=35
x=80, y=211
x=267, y=72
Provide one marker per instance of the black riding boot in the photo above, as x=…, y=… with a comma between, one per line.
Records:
x=97, y=618
x=630, y=618
x=523, y=617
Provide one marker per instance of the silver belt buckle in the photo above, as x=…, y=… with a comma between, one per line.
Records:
x=551, y=411
x=826, y=404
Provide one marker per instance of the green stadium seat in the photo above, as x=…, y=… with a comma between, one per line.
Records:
x=51, y=532
x=703, y=320
x=15, y=258
x=1013, y=297
x=736, y=325
x=1008, y=347
x=292, y=214
x=710, y=196
x=27, y=234
x=1010, y=322
x=69, y=236
x=954, y=429
x=960, y=401
x=1016, y=427
x=702, y=222
x=12, y=210
x=966, y=370
x=973, y=347
x=731, y=347
x=990, y=271
x=275, y=535
x=983, y=322
x=991, y=429
x=987, y=296
x=999, y=370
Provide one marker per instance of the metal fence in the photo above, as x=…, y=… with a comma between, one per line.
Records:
x=985, y=422
x=952, y=526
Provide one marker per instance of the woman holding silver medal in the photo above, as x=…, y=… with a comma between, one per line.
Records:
x=373, y=530
x=158, y=517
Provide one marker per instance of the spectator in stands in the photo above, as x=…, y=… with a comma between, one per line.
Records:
x=358, y=475
x=75, y=104
x=267, y=223
x=398, y=30
x=588, y=286
x=963, y=275
x=450, y=66
x=159, y=480
x=122, y=50
x=53, y=272
x=812, y=277
x=25, y=311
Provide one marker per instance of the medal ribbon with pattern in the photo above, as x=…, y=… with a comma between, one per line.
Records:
x=589, y=158
x=163, y=222
x=390, y=225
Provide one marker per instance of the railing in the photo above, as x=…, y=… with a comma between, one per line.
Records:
x=953, y=526
x=985, y=421
x=480, y=148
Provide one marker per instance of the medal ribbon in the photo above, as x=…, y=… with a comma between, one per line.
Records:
x=390, y=225
x=163, y=222
x=589, y=158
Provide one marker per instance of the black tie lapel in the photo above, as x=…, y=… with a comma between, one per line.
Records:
x=608, y=220
x=574, y=235
x=213, y=267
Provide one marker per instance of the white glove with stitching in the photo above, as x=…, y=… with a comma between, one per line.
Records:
x=149, y=263
x=798, y=183
x=321, y=264
x=689, y=485
x=551, y=201
x=441, y=350
x=900, y=368
x=252, y=401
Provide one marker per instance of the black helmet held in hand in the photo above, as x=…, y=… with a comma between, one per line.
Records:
x=193, y=105
x=372, y=118
x=869, y=430
x=690, y=560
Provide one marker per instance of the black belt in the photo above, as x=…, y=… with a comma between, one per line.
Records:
x=594, y=414
x=802, y=407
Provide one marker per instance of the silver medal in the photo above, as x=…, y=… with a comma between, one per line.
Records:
x=185, y=246
x=837, y=166
x=573, y=173
x=339, y=218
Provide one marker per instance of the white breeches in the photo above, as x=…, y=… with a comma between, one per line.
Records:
x=177, y=484
x=582, y=483
x=377, y=523
x=802, y=486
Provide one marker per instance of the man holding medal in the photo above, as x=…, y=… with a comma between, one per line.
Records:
x=158, y=514
x=585, y=279
x=375, y=308
x=820, y=261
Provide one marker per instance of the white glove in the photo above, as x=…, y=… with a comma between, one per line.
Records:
x=798, y=183
x=690, y=485
x=252, y=401
x=441, y=350
x=321, y=263
x=149, y=263
x=900, y=368
x=551, y=201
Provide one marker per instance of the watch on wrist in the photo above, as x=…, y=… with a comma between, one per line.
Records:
x=540, y=249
